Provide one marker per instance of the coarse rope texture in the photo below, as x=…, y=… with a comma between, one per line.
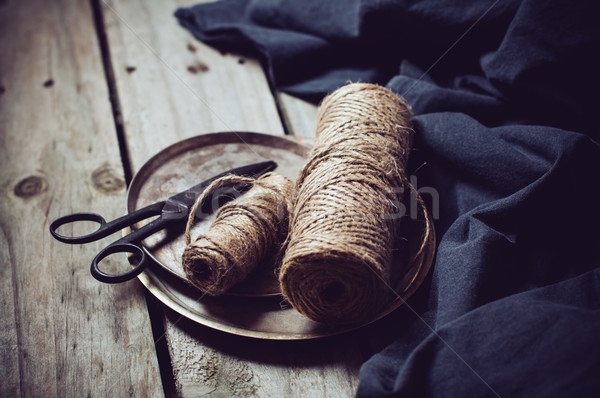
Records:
x=246, y=232
x=347, y=208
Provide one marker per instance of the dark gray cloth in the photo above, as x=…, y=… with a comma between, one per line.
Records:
x=505, y=97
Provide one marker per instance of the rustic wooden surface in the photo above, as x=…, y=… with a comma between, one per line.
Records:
x=172, y=87
x=299, y=116
x=62, y=333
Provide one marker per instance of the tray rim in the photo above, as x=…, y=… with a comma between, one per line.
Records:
x=421, y=263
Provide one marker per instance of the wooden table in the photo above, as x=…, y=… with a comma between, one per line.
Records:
x=89, y=91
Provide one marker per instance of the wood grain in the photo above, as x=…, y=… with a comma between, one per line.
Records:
x=163, y=102
x=62, y=333
x=173, y=87
x=299, y=116
x=212, y=363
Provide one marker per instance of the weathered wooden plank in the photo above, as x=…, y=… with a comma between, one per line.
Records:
x=212, y=363
x=180, y=88
x=172, y=87
x=299, y=116
x=63, y=333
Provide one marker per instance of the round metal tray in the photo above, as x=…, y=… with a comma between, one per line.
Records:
x=254, y=308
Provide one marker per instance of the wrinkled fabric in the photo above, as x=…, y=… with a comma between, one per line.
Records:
x=505, y=103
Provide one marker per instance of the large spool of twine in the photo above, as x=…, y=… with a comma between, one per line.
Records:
x=246, y=232
x=345, y=218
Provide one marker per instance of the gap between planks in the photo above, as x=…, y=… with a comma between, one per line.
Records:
x=113, y=93
x=157, y=326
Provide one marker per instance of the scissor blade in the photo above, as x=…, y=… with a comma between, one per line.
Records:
x=189, y=196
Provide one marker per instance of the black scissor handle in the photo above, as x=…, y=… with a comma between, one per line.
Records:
x=119, y=247
x=105, y=228
x=71, y=218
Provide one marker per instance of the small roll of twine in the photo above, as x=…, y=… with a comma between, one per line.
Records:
x=345, y=220
x=246, y=232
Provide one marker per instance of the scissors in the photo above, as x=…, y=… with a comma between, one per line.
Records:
x=171, y=211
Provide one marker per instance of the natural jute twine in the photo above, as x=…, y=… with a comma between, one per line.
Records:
x=345, y=218
x=246, y=232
